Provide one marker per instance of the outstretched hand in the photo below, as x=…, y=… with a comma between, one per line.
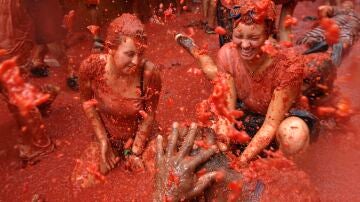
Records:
x=176, y=179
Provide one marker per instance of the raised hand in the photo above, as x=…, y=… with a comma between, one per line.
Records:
x=176, y=179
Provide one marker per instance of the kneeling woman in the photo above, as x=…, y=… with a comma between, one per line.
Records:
x=125, y=88
x=267, y=85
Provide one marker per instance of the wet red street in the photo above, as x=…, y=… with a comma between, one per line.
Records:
x=332, y=162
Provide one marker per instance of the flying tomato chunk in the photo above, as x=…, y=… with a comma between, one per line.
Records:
x=332, y=31
x=290, y=21
x=94, y=30
x=220, y=30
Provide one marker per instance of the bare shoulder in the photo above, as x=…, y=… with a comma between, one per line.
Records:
x=92, y=64
x=227, y=50
x=227, y=47
x=150, y=68
x=95, y=58
x=227, y=57
x=152, y=74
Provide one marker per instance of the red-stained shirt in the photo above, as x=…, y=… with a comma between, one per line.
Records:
x=257, y=90
x=120, y=114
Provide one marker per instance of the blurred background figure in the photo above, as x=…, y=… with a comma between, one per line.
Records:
x=15, y=35
x=346, y=25
x=209, y=15
x=287, y=11
x=47, y=17
x=93, y=8
x=28, y=104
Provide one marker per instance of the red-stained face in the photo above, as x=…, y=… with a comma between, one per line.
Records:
x=127, y=56
x=249, y=39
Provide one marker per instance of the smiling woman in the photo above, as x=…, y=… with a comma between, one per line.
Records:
x=250, y=39
x=120, y=92
x=264, y=84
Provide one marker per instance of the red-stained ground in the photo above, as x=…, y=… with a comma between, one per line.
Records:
x=331, y=162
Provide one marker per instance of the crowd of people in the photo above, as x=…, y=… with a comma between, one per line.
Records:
x=265, y=90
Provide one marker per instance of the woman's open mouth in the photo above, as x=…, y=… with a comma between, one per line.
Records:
x=247, y=53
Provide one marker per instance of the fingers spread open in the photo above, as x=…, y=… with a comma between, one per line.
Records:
x=202, y=157
x=173, y=140
x=210, y=135
x=202, y=183
x=159, y=150
x=182, y=134
x=189, y=141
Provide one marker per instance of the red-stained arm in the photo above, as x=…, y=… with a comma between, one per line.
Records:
x=207, y=65
x=108, y=157
x=231, y=97
x=224, y=126
x=280, y=104
x=231, y=100
x=89, y=105
x=152, y=84
x=212, y=71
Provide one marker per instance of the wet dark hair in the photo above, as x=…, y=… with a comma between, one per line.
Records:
x=270, y=27
x=255, y=12
x=127, y=25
